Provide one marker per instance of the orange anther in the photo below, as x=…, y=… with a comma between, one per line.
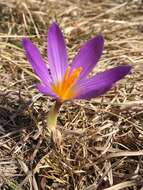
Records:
x=65, y=88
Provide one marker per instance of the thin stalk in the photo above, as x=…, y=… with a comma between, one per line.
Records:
x=52, y=116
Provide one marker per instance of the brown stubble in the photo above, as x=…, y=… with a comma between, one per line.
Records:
x=102, y=138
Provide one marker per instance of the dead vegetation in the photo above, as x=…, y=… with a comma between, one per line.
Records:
x=103, y=138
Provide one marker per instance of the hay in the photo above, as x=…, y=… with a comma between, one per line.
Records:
x=102, y=138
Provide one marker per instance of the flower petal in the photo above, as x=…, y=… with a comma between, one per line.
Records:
x=44, y=89
x=101, y=82
x=57, y=54
x=88, y=56
x=35, y=59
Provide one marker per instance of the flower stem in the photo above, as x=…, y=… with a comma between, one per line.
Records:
x=52, y=116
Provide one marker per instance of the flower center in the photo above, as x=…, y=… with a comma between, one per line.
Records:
x=65, y=89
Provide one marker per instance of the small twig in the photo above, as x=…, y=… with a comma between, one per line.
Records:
x=122, y=185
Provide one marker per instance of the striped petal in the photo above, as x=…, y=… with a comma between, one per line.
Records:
x=44, y=89
x=88, y=56
x=57, y=54
x=101, y=82
x=36, y=60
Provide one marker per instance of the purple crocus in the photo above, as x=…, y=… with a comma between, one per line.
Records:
x=65, y=82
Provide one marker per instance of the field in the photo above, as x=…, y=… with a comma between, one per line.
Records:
x=102, y=139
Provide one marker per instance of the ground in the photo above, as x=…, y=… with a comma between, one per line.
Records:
x=102, y=145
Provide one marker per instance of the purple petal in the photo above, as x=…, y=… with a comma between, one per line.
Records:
x=44, y=89
x=88, y=56
x=57, y=54
x=35, y=59
x=101, y=82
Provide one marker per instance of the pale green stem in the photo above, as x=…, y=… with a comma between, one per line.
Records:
x=52, y=116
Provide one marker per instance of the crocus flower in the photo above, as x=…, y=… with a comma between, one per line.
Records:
x=64, y=82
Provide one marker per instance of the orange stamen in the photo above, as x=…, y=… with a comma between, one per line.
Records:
x=65, y=88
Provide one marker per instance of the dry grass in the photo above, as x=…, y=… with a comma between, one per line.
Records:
x=103, y=138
